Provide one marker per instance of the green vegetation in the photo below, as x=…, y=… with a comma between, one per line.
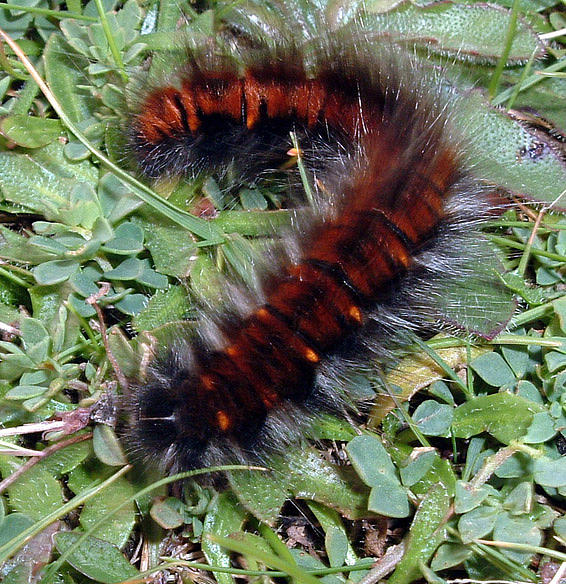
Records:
x=463, y=458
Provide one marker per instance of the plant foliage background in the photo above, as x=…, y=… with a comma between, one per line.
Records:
x=469, y=450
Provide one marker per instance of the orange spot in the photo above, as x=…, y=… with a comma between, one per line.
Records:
x=208, y=382
x=262, y=313
x=355, y=313
x=223, y=420
x=311, y=356
x=232, y=351
x=269, y=400
x=405, y=258
x=253, y=93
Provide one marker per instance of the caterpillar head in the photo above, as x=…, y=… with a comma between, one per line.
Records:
x=162, y=425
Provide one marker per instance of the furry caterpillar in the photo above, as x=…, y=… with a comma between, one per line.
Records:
x=395, y=224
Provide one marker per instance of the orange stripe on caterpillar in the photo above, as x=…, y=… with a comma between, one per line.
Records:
x=268, y=92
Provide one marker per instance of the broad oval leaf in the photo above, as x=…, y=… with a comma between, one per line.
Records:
x=30, y=131
x=98, y=560
x=370, y=459
x=55, y=272
x=36, y=493
x=389, y=498
x=116, y=530
x=504, y=415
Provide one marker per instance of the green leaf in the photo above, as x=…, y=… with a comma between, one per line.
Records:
x=21, y=392
x=331, y=520
x=132, y=304
x=259, y=493
x=255, y=549
x=370, y=460
x=12, y=366
x=389, y=498
x=75, y=151
x=308, y=562
x=252, y=199
x=549, y=472
x=225, y=518
x=505, y=416
x=468, y=497
x=254, y=223
x=18, y=574
x=151, y=278
x=477, y=523
x=30, y=131
x=43, y=180
x=15, y=22
x=238, y=252
x=555, y=361
x=559, y=306
x=96, y=559
x=18, y=248
x=106, y=446
x=116, y=198
x=49, y=245
x=440, y=390
x=55, y=272
x=128, y=240
x=426, y=534
x=492, y=368
x=129, y=269
x=449, y=555
x=66, y=459
x=415, y=372
x=12, y=525
x=307, y=476
x=328, y=427
x=466, y=31
x=541, y=429
x=533, y=296
x=83, y=282
x=418, y=466
x=39, y=352
x=517, y=530
x=102, y=229
x=33, y=332
x=520, y=500
x=529, y=391
x=440, y=472
x=163, y=307
x=518, y=465
x=168, y=513
x=336, y=545
x=313, y=478
x=118, y=528
x=36, y=493
x=64, y=71
x=508, y=154
x=560, y=527
x=432, y=418
x=205, y=281
x=172, y=249
x=518, y=359
x=83, y=309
